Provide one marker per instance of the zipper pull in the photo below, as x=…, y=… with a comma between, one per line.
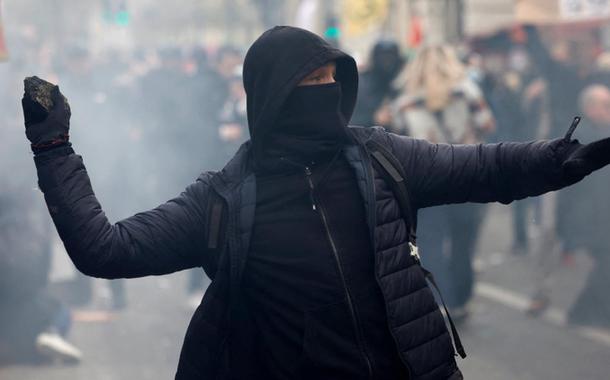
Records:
x=311, y=187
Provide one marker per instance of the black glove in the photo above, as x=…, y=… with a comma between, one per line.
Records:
x=46, y=130
x=582, y=160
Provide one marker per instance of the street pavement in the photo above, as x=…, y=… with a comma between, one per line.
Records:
x=502, y=343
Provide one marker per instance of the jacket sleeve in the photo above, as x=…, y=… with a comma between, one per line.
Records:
x=503, y=172
x=166, y=239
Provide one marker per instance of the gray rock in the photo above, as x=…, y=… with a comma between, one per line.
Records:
x=39, y=91
x=38, y=98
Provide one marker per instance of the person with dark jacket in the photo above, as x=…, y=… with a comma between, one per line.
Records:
x=583, y=220
x=34, y=324
x=584, y=217
x=312, y=272
x=375, y=84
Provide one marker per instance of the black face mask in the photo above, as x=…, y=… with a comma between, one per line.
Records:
x=310, y=126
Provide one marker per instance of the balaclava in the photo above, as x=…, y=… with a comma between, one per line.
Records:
x=284, y=118
x=310, y=126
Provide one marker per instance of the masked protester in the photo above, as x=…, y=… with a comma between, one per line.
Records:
x=375, y=88
x=309, y=256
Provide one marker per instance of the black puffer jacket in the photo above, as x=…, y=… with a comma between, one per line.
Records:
x=172, y=237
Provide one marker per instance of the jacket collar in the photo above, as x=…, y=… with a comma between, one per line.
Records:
x=241, y=165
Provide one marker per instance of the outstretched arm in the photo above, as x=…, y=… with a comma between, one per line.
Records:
x=504, y=172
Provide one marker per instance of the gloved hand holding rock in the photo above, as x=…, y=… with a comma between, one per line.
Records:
x=46, y=113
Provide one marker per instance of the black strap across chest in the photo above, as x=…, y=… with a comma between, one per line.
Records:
x=391, y=169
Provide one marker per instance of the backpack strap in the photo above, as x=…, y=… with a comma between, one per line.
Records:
x=393, y=173
x=395, y=177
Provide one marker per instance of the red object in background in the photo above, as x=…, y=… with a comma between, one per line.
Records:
x=416, y=34
x=3, y=49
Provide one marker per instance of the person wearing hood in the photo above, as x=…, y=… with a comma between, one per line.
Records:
x=375, y=85
x=313, y=274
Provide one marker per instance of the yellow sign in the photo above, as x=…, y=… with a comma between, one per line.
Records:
x=360, y=15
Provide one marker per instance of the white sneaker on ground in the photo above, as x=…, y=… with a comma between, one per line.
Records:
x=56, y=347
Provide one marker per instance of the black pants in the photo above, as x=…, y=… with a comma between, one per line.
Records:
x=21, y=321
x=592, y=306
x=464, y=225
x=519, y=209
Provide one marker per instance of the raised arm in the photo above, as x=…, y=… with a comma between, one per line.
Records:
x=164, y=240
x=504, y=172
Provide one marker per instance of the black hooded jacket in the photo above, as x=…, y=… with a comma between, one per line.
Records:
x=222, y=341
x=313, y=296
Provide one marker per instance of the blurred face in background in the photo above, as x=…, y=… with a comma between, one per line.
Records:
x=596, y=105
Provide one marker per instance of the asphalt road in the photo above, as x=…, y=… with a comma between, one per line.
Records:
x=503, y=343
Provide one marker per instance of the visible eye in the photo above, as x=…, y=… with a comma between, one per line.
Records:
x=313, y=79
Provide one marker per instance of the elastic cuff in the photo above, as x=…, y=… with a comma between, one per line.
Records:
x=57, y=141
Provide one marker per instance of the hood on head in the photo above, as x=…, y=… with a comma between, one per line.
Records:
x=276, y=62
x=386, y=60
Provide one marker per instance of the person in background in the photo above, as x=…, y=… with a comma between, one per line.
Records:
x=218, y=115
x=82, y=74
x=375, y=85
x=221, y=89
x=233, y=119
x=442, y=104
x=563, y=74
x=34, y=324
x=516, y=94
x=583, y=222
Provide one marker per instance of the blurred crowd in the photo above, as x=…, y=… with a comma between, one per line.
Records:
x=149, y=122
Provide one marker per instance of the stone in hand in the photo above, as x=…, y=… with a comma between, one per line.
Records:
x=38, y=99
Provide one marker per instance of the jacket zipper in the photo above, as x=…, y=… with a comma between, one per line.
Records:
x=340, y=268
